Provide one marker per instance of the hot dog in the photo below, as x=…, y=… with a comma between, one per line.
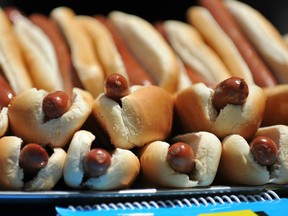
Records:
x=135, y=71
x=187, y=42
x=200, y=108
x=11, y=57
x=54, y=116
x=61, y=49
x=257, y=161
x=38, y=52
x=84, y=57
x=94, y=168
x=29, y=167
x=264, y=37
x=154, y=53
x=190, y=160
x=224, y=35
x=128, y=118
x=260, y=72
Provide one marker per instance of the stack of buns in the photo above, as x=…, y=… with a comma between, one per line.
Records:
x=103, y=102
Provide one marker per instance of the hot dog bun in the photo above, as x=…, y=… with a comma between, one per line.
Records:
x=238, y=166
x=157, y=171
x=26, y=118
x=84, y=58
x=264, y=36
x=188, y=43
x=195, y=111
x=122, y=172
x=11, y=57
x=154, y=53
x=12, y=175
x=137, y=121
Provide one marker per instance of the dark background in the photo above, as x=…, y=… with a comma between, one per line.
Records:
x=276, y=11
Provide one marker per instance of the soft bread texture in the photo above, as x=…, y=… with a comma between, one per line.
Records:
x=238, y=166
x=12, y=175
x=39, y=54
x=192, y=49
x=149, y=47
x=156, y=170
x=195, y=111
x=84, y=58
x=276, y=105
x=145, y=115
x=122, y=172
x=26, y=118
x=218, y=40
x=4, y=123
x=264, y=36
x=104, y=45
x=11, y=57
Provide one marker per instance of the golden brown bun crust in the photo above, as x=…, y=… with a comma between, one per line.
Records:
x=145, y=115
x=238, y=166
x=149, y=47
x=26, y=118
x=122, y=172
x=196, y=113
x=276, y=105
x=156, y=170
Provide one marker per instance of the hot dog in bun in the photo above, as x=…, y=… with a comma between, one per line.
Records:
x=133, y=116
x=229, y=108
x=29, y=167
x=95, y=168
x=190, y=160
x=257, y=161
x=49, y=118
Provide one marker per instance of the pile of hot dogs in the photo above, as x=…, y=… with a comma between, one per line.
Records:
x=110, y=102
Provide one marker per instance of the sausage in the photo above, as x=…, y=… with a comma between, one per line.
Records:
x=264, y=150
x=233, y=90
x=181, y=157
x=6, y=93
x=136, y=73
x=116, y=86
x=96, y=162
x=50, y=28
x=55, y=104
x=261, y=74
x=32, y=158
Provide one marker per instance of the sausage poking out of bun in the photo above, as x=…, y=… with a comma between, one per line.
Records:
x=190, y=161
x=29, y=167
x=97, y=169
x=133, y=116
x=49, y=118
x=230, y=108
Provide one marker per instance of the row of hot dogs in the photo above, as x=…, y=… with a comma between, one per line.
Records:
x=105, y=102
